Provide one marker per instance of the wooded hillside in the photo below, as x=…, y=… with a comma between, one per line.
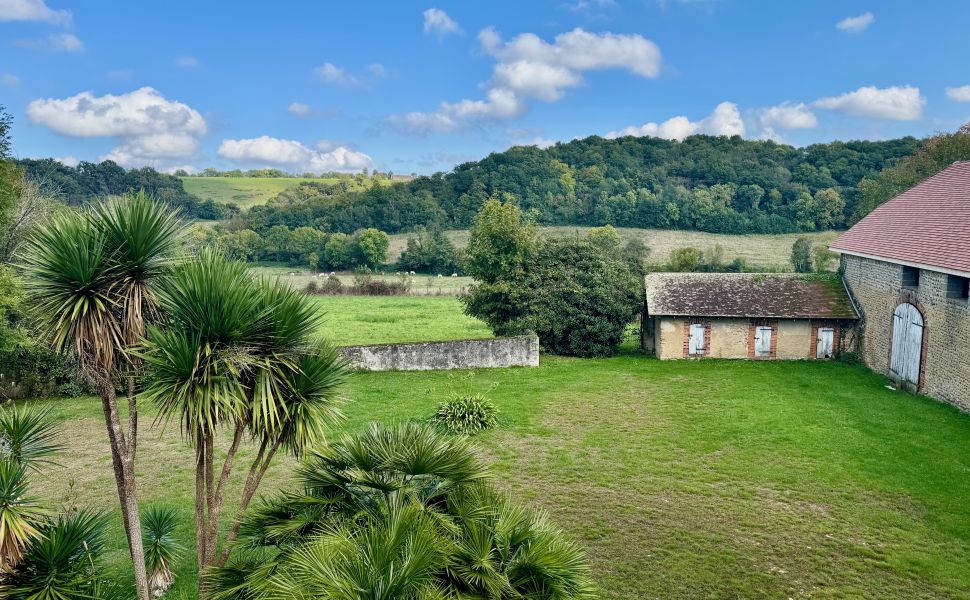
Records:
x=705, y=183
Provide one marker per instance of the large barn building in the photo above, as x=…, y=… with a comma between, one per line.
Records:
x=745, y=315
x=907, y=265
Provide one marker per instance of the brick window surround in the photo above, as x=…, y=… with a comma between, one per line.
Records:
x=836, y=337
x=707, y=338
x=753, y=326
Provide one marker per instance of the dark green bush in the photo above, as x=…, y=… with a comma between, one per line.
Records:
x=466, y=414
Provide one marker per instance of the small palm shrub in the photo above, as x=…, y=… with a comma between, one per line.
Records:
x=466, y=414
x=21, y=516
x=27, y=436
x=161, y=547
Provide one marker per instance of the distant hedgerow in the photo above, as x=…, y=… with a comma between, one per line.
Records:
x=466, y=414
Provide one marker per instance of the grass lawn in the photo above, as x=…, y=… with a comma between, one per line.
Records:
x=244, y=191
x=769, y=250
x=717, y=479
x=387, y=319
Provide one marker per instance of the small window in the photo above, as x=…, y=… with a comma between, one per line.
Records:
x=910, y=277
x=957, y=287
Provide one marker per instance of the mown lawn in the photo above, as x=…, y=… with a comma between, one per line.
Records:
x=711, y=479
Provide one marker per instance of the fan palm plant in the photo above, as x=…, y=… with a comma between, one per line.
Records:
x=161, y=547
x=399, y=512
x=91, y=278
x=238, y=353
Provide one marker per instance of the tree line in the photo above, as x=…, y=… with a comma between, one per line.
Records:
x=706, y=183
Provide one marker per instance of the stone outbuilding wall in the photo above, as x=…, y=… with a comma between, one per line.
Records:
x=877, y=288
x=520, y=351
x=792, y=339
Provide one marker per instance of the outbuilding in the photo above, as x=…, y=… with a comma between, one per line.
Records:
x=759, y=316
x=907, y=265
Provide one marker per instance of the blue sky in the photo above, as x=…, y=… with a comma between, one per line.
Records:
x=419, y=87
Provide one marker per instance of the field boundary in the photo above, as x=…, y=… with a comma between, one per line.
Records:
x=519, y=351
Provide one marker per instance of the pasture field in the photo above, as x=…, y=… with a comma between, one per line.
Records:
x=244, y=191
x=765, y=251
x=682, y=479
x=421, y=285
x=351, y=320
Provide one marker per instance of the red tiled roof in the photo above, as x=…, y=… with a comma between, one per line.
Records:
x=927, y=225
x=778, y=295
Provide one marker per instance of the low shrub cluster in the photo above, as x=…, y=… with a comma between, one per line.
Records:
x=466, y=415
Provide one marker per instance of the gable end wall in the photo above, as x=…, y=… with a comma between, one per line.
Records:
x=877, y=288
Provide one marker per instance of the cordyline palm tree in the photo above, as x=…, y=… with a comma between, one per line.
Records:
x=91, y=278
x=238, y=353
x=401, y=512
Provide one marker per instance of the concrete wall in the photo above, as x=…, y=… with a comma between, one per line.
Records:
x=732, y=337
x=877, y=288
x=462, y=354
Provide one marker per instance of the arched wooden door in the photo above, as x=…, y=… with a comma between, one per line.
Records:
x=907, y=346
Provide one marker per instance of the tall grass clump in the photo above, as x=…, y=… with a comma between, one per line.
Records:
x=466, y=414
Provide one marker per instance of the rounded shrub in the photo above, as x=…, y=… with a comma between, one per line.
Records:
x=466, y=414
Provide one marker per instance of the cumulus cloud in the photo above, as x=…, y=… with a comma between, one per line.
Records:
x=725, y=120
x=438, y=22
x=959, y=94
x=788, y=116
x=332, y=74
x=856, y=24
x=530, y=68
x=899, y=103
x=67, y=161
x=266, y=150
x=188, y=62
x=32, y=10
x=150, y=129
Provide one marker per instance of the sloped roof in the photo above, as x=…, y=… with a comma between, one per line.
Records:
x=927, y=225
x=760, y=295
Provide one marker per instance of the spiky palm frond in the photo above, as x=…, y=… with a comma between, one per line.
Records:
x=27, y=435
x=69, y=286
x=21, y=516
x=61, y=563
x=141, y=242
x=162, y=550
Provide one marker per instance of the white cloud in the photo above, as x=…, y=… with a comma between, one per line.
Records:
x=188, y=62
x=769, y=133
x=437, y=21
x=527, y=67
x=788, y=116
x=294, y=155
x=725, y=120
x=300, y=109
x=900, y=103
x=332, y=74
x=65, y=42
x=856, y=24
x=541, y=142
x=67, y=161
x=10, y=80
x=151, y=129
x=32, y=10
x=959, y=94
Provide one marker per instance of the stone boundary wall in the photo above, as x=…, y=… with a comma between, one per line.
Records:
x=520, y=351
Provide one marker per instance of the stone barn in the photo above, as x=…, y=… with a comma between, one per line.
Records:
x=907, y=265
x=745, y=315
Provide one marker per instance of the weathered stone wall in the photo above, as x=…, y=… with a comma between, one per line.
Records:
x=731, y=338
x=877, y=288
x=520, y=351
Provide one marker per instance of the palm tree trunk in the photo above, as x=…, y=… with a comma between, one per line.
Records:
x=256, y=472
x=200, y=510
x=215, y=507
x=122, y=459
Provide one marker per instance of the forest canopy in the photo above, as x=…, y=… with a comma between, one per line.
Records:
x=706, y=183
